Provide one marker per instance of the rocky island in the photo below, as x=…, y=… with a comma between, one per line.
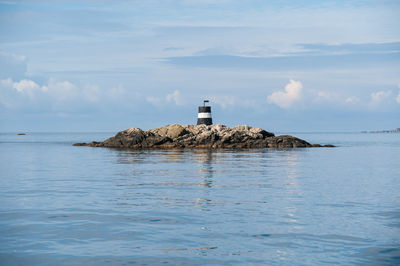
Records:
x=200, y=136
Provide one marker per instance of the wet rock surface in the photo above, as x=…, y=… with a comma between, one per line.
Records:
x=200, y=136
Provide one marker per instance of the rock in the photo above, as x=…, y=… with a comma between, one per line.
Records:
x=242, y=128
x=95, y=144
x=80, y=144
x=171, y=131
x=329, y=146
x=316, y=145
x=286, y=141
x=200, y=136
x=323, y=146
x=126, y=138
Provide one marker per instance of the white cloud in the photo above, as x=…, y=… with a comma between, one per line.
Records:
x=224, y=101
x=285, y=99
x=379, y=97
x=12, y=65
x=398, y=98
x=64, y=95
x=53, y=91
x=228, y=101
x=336, y=99
x=351, y=100
x=27, y=87
x=325, y=96
x=118, y=91
x=61, y=90
x=6, y=83
x=92, y=93
x=175, y=97
x=153, y=100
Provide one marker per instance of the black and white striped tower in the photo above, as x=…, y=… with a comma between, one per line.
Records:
x=204, y=116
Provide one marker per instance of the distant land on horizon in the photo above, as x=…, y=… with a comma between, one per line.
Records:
x=396, y=130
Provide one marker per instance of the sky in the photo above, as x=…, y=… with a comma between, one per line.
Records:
x=285, y=66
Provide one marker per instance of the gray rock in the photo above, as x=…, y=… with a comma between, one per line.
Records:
x=199, y=136
x=171, y=131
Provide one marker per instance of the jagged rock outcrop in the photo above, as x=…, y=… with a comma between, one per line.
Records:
x=199, y=136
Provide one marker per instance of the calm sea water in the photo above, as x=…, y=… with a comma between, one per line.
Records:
x=61, y=204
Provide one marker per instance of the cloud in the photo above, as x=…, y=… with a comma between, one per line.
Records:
x=168, y=49
x=288, y=62
x=6, y=82
x=326, y=96
x=27, y=94
x=24, y=87
x=56, y=90
x=335, y=99
x=92, y=93
x=118, y=91
x=398, y=98
x=61, y=90
x=54, y=94
x=379, y=97
x=376, y=99
x=224, y=101
x=351, y=100
x=291, y=95
x=230, y=101
x=347, y=48
x=175, y=97
x=154, y=100
x=12, y=66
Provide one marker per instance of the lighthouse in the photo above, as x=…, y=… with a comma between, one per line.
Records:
x=204, y=116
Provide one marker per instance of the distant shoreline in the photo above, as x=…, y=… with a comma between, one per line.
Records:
x=396, y=130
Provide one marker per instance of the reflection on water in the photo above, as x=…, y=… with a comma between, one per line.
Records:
x=79, y=205
x=205, y=161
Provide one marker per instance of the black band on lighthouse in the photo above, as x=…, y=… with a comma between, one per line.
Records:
x=204, y=115
x=204, y=121
x=205, y=109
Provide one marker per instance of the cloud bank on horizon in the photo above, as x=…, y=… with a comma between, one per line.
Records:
x=108, y=65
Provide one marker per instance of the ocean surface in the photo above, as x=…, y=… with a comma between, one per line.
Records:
x=66, y=205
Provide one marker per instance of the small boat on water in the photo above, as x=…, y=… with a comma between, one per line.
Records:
x=21, y=134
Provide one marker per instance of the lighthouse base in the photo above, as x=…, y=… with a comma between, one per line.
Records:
x=204, y=121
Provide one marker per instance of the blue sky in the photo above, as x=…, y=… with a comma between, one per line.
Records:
x=280, y=65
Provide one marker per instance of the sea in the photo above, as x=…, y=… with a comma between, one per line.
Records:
x=67, y=205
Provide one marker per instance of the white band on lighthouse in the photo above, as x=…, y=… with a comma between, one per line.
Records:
x=204, y=115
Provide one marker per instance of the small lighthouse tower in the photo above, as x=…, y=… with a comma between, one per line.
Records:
x=204, y=116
